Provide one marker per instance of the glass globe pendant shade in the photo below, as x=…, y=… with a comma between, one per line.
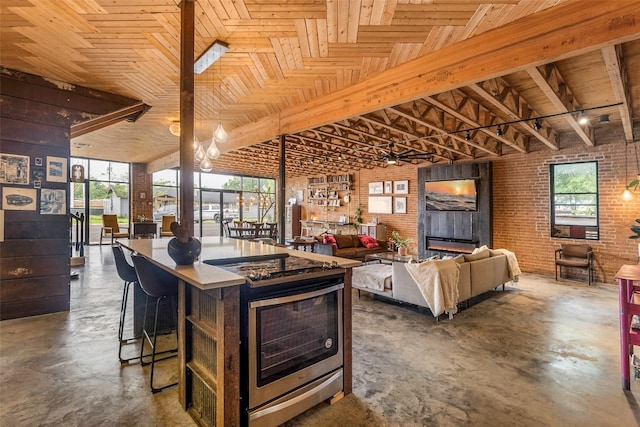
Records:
x=220, y=134
x=213, y=152
x=626, y=195
x=205, y=165
x=200, y=154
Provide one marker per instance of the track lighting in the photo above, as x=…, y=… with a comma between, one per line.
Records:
x=499, y=131
x=537, y=125
x=583, y=119
x=467, y=136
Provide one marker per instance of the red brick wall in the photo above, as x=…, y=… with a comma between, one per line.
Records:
x=140, y=183
x=521, y=205
x=521, y=209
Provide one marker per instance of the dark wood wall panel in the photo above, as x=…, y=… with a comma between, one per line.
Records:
x=35, y=254
x=472, y=227
x=33, y=307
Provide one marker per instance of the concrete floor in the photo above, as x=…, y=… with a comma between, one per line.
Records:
x=543, y=353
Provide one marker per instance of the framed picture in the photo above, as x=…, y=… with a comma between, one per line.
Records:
x=400, y=205
x=37, y=184
x=375, y=187
x=56, y=169
x=38, y=173
x=388, y=187
x=401, y=187
x=53, y=202
x=14, y=169
x=38, y=161
x=19, y=199
x=381, y=205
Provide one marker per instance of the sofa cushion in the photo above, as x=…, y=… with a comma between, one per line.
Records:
x=459, y=259
x=477, y=256
x=328, y=239
x=345, y=241
x=368, y=242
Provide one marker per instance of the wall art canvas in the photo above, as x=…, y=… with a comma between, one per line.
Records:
x=382, y=205
x=56, y=169
x=19, y=199
x=452, y=195
x=53, y=201
x=14, y=169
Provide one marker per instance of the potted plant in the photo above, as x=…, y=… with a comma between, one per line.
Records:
x=400, y=242
x=357, y=219
x=636, y=230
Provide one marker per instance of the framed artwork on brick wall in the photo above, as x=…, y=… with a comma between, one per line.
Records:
x=400, y=205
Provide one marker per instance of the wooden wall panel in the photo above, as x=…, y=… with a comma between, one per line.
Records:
x=457, y=225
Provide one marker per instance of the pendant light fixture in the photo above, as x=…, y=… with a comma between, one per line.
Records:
x=213, y=152
x=219, y=135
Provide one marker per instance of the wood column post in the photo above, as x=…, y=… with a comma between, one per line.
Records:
x=187, y=27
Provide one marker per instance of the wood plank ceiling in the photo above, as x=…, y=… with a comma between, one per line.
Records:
x=289, y=56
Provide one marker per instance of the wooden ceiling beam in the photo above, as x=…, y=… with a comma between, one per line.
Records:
x=500, y=98
x=614, y=62
x=551, y=82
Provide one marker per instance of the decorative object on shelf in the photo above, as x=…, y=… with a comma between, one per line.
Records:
x=400, y=242
x=143, y=218
x=183, y=248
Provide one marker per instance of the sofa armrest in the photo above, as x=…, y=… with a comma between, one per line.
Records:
x=324, y=249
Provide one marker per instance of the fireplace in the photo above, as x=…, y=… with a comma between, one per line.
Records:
x=451, y=246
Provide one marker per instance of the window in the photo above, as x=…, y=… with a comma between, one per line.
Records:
x=574, y=200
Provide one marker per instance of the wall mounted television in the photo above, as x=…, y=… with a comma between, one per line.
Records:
x=451, y=195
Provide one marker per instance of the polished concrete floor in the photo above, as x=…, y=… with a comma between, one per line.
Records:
x=542, y=353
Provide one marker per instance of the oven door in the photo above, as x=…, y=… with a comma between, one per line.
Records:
x=293, y=340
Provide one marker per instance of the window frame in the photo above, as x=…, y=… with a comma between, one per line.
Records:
x=568, y=229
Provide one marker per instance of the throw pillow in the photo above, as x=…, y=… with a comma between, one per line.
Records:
x=477, y=256
x=328, y=239
x=368, y=242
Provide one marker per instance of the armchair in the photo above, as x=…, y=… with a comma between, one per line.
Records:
x=110, y=227
x=577, y=256
x=165, y=229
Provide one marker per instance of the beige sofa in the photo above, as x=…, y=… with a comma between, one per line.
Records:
x=478, y=274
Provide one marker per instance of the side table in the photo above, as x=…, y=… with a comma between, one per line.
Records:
x=628, y=308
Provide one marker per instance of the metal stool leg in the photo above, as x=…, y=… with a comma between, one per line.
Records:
x=123, y=311
x=153, y=344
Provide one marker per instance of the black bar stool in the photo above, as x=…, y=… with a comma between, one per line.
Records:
x=159, y=285
x=128, y=274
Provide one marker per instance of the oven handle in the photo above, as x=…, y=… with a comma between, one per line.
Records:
x=296, y=297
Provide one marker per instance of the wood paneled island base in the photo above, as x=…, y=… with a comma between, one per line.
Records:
x=209, y=325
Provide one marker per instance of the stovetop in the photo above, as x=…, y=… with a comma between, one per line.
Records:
x=282, y=268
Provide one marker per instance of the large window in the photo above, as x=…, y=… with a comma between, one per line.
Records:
x=574, y=200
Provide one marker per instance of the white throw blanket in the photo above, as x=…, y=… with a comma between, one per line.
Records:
x=372, y=276
x=514, y=268
x=438, y=283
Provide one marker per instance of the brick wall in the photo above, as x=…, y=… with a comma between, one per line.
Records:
x=141, y=183
x=521, y=209
x=521, y=205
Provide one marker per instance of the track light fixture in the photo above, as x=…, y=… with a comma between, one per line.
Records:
x=499, y=130
x=583, y=119
x=537, y=125
x=467, y=136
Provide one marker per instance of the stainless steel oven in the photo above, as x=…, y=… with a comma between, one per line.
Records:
x=291, y=338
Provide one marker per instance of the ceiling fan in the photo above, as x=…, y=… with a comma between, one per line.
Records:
x=393, y=158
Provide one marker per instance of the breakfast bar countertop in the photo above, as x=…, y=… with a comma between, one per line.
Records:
x=205, y=276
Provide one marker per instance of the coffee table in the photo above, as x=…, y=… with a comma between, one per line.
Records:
x=389, y=257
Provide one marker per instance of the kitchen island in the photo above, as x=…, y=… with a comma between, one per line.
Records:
x=209, y=317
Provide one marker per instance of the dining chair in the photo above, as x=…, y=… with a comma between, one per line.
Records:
x=165, y=229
